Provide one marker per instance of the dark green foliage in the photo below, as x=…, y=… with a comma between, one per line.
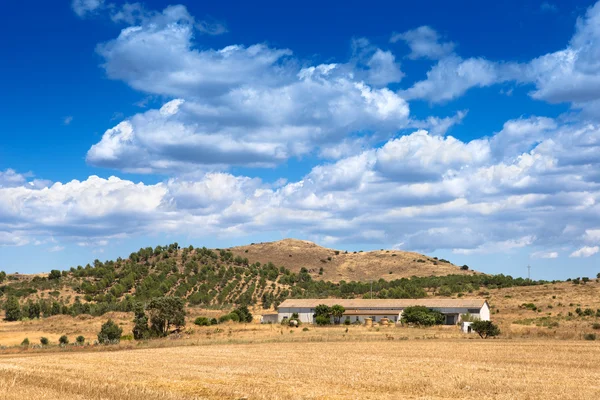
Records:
x=337, y=311
x=64, y=340
x=422, y=316
x=110, y=333
x=589, y=336
x=165, y=312
x=25, y=342
x=80, y=340
x=54, y=274
x=12, y=309
x=2, y=276
x=213, y=321
x=34, y=310
x=44, y=341
x=485, y=329
x=140, y=323
x=464, y=268
x=244, y=315
x=323, y=310
x=322, y=320
x=202, y=321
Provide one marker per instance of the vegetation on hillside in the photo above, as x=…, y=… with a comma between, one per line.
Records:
x=210, y=279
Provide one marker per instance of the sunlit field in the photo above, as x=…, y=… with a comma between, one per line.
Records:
x=269, y=361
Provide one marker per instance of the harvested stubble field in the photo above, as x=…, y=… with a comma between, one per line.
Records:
x=411, y=369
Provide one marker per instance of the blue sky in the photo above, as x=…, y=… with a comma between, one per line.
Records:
x=464, y=131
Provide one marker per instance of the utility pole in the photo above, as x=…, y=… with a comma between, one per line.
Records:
x=371, y=289
x=529, y=272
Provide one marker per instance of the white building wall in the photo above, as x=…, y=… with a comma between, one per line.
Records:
x=306, y=314
x=484, y=314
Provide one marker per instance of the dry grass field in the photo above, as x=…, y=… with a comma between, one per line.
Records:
x=351, y=266
x=407, y=369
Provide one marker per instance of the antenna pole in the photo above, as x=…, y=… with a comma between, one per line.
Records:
x=529, y=272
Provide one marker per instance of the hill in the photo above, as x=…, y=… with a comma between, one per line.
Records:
x=223, y=278
x=335, y=265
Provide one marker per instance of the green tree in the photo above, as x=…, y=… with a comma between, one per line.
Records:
x=44, y=341
x=34, y=310
x=54, y=274
x=322, y=310
x=140, y=323
x=2, y=276
x=337, y=311
x=63, y=340
x=422, y=316
x=12, y=309
x=485, y=329
x=110, y=333
x=80, y=340
x=25, y=342
x=166, y=312
x=244, y=314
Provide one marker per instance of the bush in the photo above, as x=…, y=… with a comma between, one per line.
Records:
x=485, y=329
x=110, y=333
x=347, y=321
x=422, y=316
x=202, y=321
x=54, y=274
x=305, y=329
x=80, y=340
x=464, y=268
x=64, y=340
x=12, y=309
x=140, y=323
x=596, y=326
x=234, y=317
x=25, y=342
x=322, y=320
x=44, y=341
x=243, y=313
x=213, y=321
x=589, y=336
x=224, y=318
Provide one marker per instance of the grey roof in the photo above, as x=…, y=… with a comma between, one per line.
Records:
x=384, y=303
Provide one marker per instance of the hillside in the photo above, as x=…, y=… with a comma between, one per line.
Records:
x=335, y=265
x=222, y=278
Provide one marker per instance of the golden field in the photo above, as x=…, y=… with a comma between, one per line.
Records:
x=338, y=369
x=528, y=361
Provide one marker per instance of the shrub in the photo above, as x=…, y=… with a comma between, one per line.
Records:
x=54, y=274
x=140, y=323
x=25, y=342
x=224, y=318
x=64, y=340
x=596, y=326
x=485, y=329
x=305, y=329
x=110, y=333
x=127, y=337
x=202, y=321
x=213, y=321
x=589, y=336
x=422, y=316
x=12, y=309
x=322, y=320
x=80, y=340
x=44, y=341
x=234, y=317
x=464, y=268
x=243, y=313
x=347, y=321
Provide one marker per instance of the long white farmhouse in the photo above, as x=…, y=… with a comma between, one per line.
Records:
x=376, y=309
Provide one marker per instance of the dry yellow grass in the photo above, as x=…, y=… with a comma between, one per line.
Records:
x=361, y=266
x=409, y=369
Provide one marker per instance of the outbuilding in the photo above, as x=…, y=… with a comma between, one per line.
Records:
x=358, y=309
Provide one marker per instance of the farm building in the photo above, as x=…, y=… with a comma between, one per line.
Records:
x=376, y=309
